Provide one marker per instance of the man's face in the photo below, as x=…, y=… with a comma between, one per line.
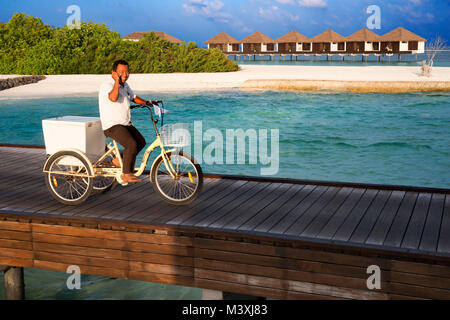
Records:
x=123, y=72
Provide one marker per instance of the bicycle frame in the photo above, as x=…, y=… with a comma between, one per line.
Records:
x=114, y=150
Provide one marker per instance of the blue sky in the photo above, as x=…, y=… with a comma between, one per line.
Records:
x=199, y=20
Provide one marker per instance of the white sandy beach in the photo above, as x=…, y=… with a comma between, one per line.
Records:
x=88, y=85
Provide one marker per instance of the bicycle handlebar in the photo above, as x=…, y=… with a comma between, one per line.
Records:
x=157, y=102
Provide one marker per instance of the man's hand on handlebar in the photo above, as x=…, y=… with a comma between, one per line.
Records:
x=152, y=103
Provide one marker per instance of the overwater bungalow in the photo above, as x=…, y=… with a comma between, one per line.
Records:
x=328, y=42
x=363, y=41
x=225, y=43
x=401, y=41
x=294, y=43
x=258, y=43
x=136, y=36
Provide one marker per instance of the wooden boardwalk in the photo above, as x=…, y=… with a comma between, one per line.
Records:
x=265, y=237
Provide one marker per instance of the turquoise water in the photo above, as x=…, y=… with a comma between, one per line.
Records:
x=399, y=139
x=370, y=138
x=442, y=59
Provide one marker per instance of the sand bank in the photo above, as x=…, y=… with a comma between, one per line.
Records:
x=248, y=77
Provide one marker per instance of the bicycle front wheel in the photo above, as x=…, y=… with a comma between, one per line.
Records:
x=187, y=183
x=68, y=177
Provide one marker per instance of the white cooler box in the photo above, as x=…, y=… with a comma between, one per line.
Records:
x=72, y=132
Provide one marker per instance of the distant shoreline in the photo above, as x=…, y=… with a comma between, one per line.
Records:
x=383, y=79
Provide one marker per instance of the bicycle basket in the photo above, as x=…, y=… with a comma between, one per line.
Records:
x=175, y=135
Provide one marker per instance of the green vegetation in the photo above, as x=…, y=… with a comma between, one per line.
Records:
x=28, y=46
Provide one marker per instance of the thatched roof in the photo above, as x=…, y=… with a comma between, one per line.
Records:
x=257, y=37
x=364, y=35
x=328, y=36
x=222, y=38
x=292, y=36
x=162, y=35
x=401, y=34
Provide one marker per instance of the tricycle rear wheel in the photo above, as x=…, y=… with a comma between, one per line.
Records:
x=68, y=177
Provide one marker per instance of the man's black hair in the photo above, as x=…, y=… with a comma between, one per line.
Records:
x=122, y=62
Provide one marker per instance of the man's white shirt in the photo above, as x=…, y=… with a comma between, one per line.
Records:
x=113, y=113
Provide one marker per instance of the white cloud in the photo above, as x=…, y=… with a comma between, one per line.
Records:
x=274, y=13
x=210, y=9
x=313, y=3
x=416, y=2
x=285, y=1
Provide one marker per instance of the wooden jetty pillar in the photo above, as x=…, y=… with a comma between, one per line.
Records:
x=208, y=294
x=14, y=283
x=399, y=57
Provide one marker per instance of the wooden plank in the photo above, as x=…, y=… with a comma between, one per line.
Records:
x=124, y=245
x=16, y=262
x=16, y=253
x=14, y=226
x=20, y=203
x=72, y=259
x=316, y=255
x=290, y=285
x=142, y=198
x=285, y=193
x=324, y=278
x=420, y=280
x=161, y=210
x=162, y=278
x=15, y=244
x=301, y=193
x=421, y=268
x=341, y=214
x=370, y=217
x=225, y=216
x=15, y=235
x=250, y=189
x=175, y=212
x=113, y=235
x=430, y=236
x=258, y=291
x=138, y=266
x=351, y=222
x=444, y=235
x=124, y=203
x=221, y=204
x=85, y=208
x=282, y=263
x=199, y=206
x=26, y=186
x=295, y=213
x=259, y=202
x=387, y=215
x=161, y=259
x=326, y=213
x=422, y=292
x=92, y=270
x=416, y=224
x=277, y=273
x=400, y=223
x=302, y=222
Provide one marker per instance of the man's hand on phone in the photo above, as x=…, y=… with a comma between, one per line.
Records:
x=115, y=76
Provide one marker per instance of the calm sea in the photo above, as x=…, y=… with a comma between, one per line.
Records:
x=400, y=139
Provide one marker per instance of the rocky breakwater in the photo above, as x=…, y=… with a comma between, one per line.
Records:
x=7, y=83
